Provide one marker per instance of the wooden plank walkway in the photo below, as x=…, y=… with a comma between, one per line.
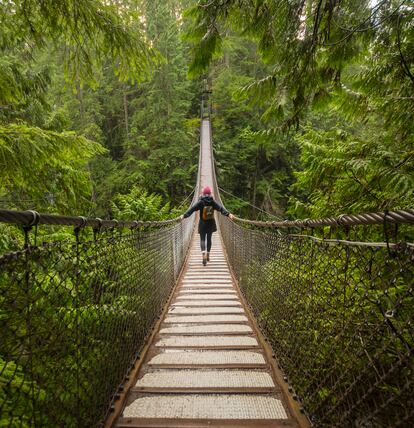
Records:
x=206, y=365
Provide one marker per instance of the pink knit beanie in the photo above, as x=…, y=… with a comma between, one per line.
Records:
x=206, y=191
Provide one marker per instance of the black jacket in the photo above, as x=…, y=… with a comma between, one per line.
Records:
x=206, y=226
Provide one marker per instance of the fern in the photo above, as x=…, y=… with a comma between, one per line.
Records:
x=140, y=205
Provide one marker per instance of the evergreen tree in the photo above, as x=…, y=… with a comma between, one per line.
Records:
x=39, y=158
x=161, y=148
x=253, y=166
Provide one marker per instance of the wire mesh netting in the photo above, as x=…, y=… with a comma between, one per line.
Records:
x=74, y=316
x=339, y=316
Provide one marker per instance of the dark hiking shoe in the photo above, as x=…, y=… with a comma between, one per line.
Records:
x=204, y=259
x=208, y=257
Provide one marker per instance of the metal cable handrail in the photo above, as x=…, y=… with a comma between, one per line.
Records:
x=396, y=217
x=32, y=218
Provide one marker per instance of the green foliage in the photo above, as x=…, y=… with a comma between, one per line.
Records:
x=343, y=172
x=17, y=85
x=36, y=162
x=79, y=317
x=148, y=128
x=206, y=37
x=78, y=130
x=15, y=395
x=140, y=205
x=163, y=135
x=51, y=50
x=90, y=31
x=302, y=41
x=251, y=164
x=11, y=238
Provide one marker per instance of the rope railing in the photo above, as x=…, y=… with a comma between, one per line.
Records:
x=31, y=218
x=378, y=218
x=338, y=313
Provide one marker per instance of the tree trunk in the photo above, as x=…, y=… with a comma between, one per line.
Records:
x=126, y=113
x=79, y=95
x=255, y=178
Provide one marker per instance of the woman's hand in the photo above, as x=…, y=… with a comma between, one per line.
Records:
x=231, y=217
x=182, y=217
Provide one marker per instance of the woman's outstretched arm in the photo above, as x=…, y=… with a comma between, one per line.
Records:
x=195, y=207
x=220, y=208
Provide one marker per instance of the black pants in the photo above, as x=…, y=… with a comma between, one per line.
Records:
x=203, y=236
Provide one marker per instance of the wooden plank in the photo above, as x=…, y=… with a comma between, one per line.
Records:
x=203, y=423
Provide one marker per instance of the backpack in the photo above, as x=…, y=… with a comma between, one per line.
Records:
x=208, y=213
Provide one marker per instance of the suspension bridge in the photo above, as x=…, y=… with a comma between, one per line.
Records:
x=292, y=323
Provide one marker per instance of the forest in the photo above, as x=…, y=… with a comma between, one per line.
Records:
x=312, y=109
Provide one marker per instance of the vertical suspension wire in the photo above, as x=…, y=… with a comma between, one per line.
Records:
x=77, y=335
x=28, y=323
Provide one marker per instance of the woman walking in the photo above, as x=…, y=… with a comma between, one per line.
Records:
x=206, y=225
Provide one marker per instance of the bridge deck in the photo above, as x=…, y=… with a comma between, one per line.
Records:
x=205, y=365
